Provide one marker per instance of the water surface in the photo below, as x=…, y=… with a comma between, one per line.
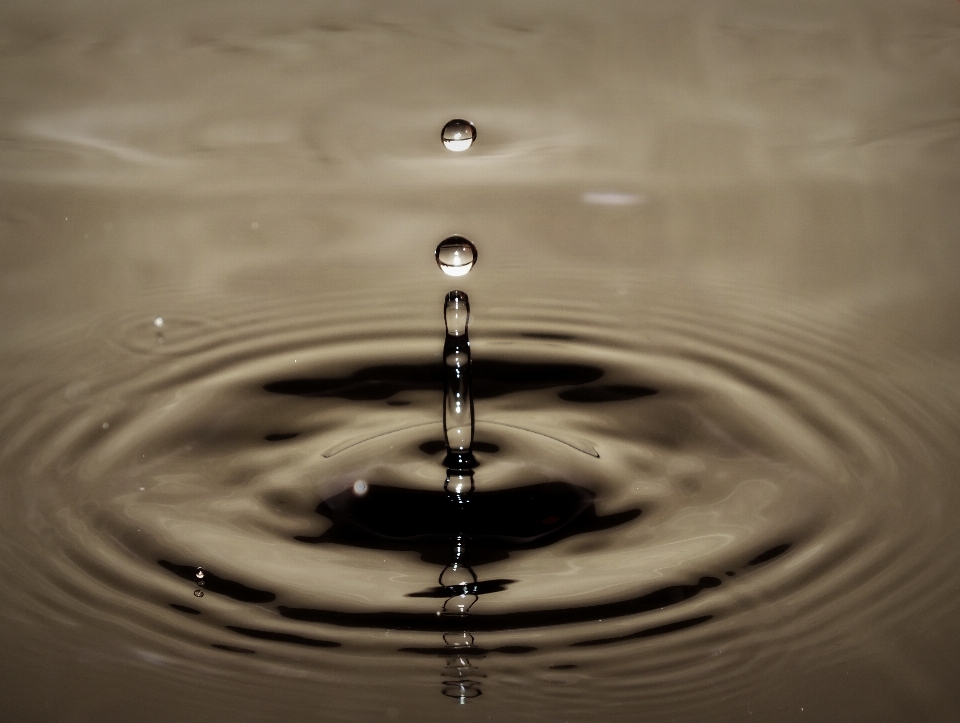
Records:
x=714, y=343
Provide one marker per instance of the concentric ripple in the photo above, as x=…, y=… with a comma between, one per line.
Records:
x=665, y=482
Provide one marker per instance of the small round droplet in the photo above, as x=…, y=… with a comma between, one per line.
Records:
x=456, y=256
x=158, y=322
x=458, y=135
x=200, y=573
x=360, y=488
x=198, y=593
x=105, y=425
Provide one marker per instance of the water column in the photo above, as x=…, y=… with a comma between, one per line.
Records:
x=457, y=398
x=458, y=577
x=455, y=257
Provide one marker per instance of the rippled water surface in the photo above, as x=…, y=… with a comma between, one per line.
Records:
x=714, y=340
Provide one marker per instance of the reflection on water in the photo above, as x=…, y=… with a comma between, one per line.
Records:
x=697, y=462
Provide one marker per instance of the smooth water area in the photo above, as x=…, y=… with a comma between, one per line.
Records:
x=682, y=445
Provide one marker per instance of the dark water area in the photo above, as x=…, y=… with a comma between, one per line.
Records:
x=496, y=522
x=491, y=378
x=695, y=460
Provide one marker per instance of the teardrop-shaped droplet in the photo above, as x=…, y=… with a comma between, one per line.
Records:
x=456, y=256
x=458, y=135
x=456, y=575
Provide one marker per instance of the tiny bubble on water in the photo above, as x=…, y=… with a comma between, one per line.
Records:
x=198, y=593
x=158, y=322
x=456, y=256
x=458, y=135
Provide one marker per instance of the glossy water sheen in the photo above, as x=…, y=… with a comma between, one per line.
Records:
x=713, y=363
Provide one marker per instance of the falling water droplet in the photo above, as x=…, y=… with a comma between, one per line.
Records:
x=458, y=135
x=198, y=593
x=158, y=322
x=200, y=573
x=360, y=488
x=456, y=256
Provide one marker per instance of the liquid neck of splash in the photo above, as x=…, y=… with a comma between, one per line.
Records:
x=458, y=419
x=458, y=423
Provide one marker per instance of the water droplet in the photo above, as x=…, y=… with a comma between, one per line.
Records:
x=198, y=593
x=456, y=256
x=158, y=322
x=360, y=488
x=105, y=425
x=458, y=135
x=200, y=573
